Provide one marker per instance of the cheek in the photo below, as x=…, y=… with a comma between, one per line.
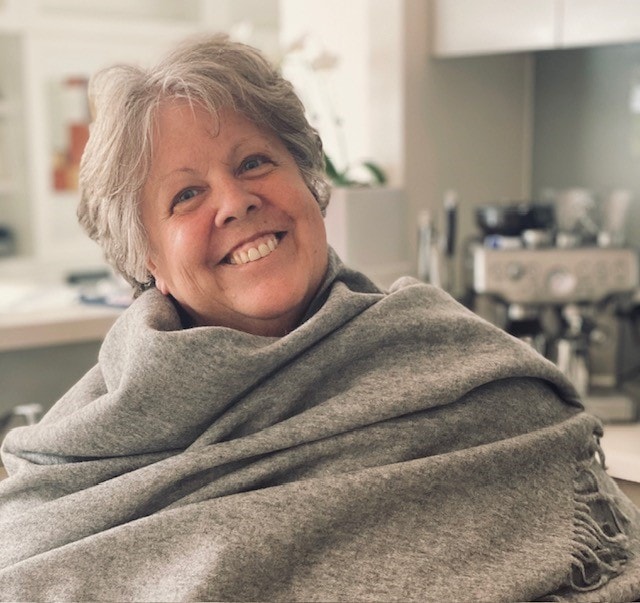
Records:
x=318, y=232
x=185, y=241
x=156, y=264
x=303, y=205
x=171, y=250
x=315, y=236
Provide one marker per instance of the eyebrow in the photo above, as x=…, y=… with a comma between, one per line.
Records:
x=182, y=170
x=234, y=149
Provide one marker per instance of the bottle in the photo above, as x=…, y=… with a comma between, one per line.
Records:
x=429, y=253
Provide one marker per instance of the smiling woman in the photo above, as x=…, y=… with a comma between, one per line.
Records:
x=263, y=422
x=199, y=86
x=216, y=201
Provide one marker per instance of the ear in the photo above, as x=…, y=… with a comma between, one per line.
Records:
x=160, y=283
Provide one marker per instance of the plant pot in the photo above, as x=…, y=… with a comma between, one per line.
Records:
x=368, y=229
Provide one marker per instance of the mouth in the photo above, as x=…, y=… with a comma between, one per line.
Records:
x=254, y=250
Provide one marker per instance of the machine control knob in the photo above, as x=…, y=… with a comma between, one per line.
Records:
x=561, y=283
x=515, y=271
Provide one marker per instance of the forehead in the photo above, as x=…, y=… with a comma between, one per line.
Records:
x=174, y=116
x=187, y=136
x=181, y=118
x=185, y=131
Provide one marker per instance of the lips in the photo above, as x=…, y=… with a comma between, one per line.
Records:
x=254, y=250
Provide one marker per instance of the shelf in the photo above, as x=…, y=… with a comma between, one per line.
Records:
x=119, y=10
x=105, y=29
x=31, y=15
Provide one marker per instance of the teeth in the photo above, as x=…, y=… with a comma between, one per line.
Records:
x=260, y=250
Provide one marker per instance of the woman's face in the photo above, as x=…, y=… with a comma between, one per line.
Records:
x=235, y=235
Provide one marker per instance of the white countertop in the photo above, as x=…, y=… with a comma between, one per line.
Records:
x=621, y=447
x=56, y=326
x=39, y=315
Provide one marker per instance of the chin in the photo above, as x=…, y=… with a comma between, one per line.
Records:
x=279, y=302
x=275, y=307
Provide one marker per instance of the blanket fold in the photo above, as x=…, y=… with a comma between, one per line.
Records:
x=392, y=447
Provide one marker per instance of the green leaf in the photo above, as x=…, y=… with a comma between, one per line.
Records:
x=342, y=178
x=378, y=174
x=338, y=178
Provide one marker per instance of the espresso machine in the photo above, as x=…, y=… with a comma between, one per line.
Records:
x=571, y=290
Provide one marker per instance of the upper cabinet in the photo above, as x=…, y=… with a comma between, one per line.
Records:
x=596, y=22
x=464, y=28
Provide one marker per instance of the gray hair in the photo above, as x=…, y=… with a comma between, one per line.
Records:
x=213, y=72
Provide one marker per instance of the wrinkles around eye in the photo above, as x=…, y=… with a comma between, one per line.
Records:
x=185, y=195
x=255, y=162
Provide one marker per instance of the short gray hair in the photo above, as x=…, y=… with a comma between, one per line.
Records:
x=214, y=72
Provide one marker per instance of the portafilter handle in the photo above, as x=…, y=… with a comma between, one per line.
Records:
x=572, y=362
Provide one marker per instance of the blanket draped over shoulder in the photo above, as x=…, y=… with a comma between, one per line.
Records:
x=393, y=447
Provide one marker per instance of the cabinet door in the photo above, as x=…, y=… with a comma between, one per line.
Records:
x=592, y=22
x=468, y=27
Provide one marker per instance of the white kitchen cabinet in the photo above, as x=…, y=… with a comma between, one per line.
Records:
x=468, y=27
x=45, y=45
x=13, y=177
x=595, y=22
x=476, y=27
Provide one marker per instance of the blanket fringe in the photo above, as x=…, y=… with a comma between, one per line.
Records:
x=600, y=543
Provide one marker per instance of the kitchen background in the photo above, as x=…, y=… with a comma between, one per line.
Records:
x=500, y=101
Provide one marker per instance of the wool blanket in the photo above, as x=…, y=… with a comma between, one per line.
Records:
x=393, y=447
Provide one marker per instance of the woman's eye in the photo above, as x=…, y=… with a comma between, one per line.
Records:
x=254, y=162
x=185, y=195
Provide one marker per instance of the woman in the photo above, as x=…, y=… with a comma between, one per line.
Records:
x=266, y=424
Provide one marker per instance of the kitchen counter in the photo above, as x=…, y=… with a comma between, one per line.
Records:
x=55, y=326
x=40, y=314
x=621, y=447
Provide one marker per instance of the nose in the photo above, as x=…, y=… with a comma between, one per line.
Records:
x=235, y=201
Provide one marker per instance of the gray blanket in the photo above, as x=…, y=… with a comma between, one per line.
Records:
x=392, y=447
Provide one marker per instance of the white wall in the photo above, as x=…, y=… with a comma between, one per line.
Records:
x=478, y=133
x=365, y=87
x=587, y=130
x=467, y=125
x=433, y=124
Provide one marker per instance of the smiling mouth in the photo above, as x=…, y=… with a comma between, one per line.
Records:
x=255, y=250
